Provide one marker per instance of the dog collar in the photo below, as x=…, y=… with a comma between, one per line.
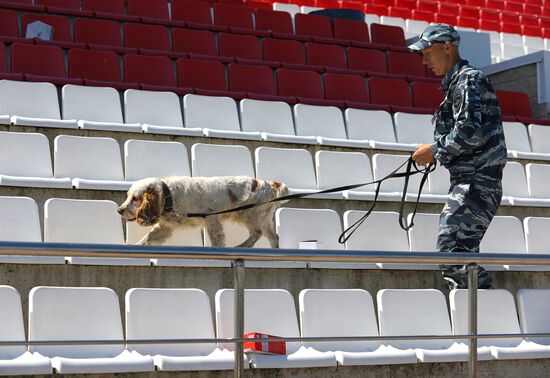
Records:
x=167, y=198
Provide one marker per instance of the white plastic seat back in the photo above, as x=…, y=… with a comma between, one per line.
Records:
x=269, y=311
x=20, y=220
x=144, y=158
x=537, y=237
x=82, y=221
x=343, y=168
x=75, y=313
x=380, y=232
x=514, y=183
x=496, y=313
x=25, y=154
x=393, y=21
x=413, y=312
x=533, y=43
x=516, y=135
x=301, y=225
x=533, y=308
x=180, y=237
x=439, y=181
x=415, y=26
x=87, y=158
x=272, y=117
x=511, y=39
x=293, y=9
x=293, y=167
x=210, y=112
x=210, y=160
x=504, y=235
x=323, y=121
x=413, y=128
x=512, y=51
x=152, y=108
x=169, y=314
x=540, y=138
x=538, y=176
x=383, y=164
x=11, y=322
x=26, y=99
x=343, y=312
x=95, y=104
x=423, y=235
x=370, y=125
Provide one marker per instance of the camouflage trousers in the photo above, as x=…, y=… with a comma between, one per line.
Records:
x=462, y=224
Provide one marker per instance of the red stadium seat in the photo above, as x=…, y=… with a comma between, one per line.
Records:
x=351, y=30
x=509, y=17
x=195, y=13
x=422, y=15
x=306, y=86
x=532, y=9
x=4, y=73
x=405, y=64
x=273, y=21
x=9, y=26
x=237, y=18
x=245, y=48
x=510, y=28
x=532, y=31
x=153, y=70
x=409, y=4
x=529, y=20
x=476, y=3
x=393, y=36
x=40, y=63
x=445, y=18
x=394, y=92
x=378, y=9
x=252, y=4
x=61, y=30
x=327, y=4
x=495, y=4
x=515, y=104
x=206, y=77
x=426, y=95
x=312, y=25
x=399, y=12
x=467, y=22
x=194, y=41
x=427, y=5
x=511, y=6
x=150, y=39
x=350, y=88
x=367, y=60
x=325, y=55
x=289, y=53
x=467, y=11
x=489, y=15
x=71, y=4
x=447, y=8
x=98, y=68
x=386, y=3
x=254, y=80
x=102, y=6
x=100, y=35
x=353, y=5
x=148, y=8
x=489, y=25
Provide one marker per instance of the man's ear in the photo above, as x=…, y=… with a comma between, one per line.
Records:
x=149, y=211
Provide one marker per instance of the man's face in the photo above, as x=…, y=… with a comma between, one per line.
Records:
x=436, y=58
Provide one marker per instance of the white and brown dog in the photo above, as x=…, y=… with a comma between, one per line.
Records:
x=166, y=202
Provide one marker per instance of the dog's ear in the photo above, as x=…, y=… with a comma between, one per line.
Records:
x=149, y=211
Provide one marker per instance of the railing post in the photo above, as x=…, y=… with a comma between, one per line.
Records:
x=472, y=318
x=238, y=285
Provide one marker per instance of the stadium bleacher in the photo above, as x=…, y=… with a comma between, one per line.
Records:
x=129, y=89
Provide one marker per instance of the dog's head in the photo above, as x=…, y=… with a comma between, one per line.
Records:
x=144, y=202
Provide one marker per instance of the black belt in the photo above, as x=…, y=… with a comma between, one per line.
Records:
x=351, y=229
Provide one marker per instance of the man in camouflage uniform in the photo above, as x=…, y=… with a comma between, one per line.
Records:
x=469, y=142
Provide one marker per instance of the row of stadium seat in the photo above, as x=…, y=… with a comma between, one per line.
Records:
x=185, y=313
x=294, y=226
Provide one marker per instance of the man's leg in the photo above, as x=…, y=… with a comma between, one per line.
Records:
x=463, y=222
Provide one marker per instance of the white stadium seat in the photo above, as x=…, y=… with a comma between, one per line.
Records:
x=518, y=144
x=20, y=222
x=439, y=183
x=504, y=235
x=393, y=21
x=537, y=241
x=217, y=116
x=273, y=119
x=374, y=126
x=423, y=235
x=421, y=312
x=157, y=112
x=540, y=139
x=26, y=161
x=271, y=312
x=91, y=162
x=336, y=169
x=346, y=312
x=16, y=360
x=81, y=313
x=95, y=108
x=293, y=9
x=496, y=313
x=515, y=188
x=324, y=122
x=146, y=158
x=413, y=128
x=31, y=104
x=85, y=221
x=174, y=314
x=211, y=160
x=533, y=307
x=537, y=180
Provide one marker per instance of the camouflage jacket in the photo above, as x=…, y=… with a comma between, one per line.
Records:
x=469, y=137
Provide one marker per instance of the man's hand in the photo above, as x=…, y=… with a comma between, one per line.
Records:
x=423, y=154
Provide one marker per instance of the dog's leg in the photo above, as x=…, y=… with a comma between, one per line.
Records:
x=254, y=236
x=215, y=232
x=271, y=235
x=158, y=235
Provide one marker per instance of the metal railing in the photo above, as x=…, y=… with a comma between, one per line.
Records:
x=239, y=255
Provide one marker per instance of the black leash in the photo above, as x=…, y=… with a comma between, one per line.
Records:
x=351, y=229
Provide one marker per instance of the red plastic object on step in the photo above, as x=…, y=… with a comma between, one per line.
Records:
x=270, y=347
